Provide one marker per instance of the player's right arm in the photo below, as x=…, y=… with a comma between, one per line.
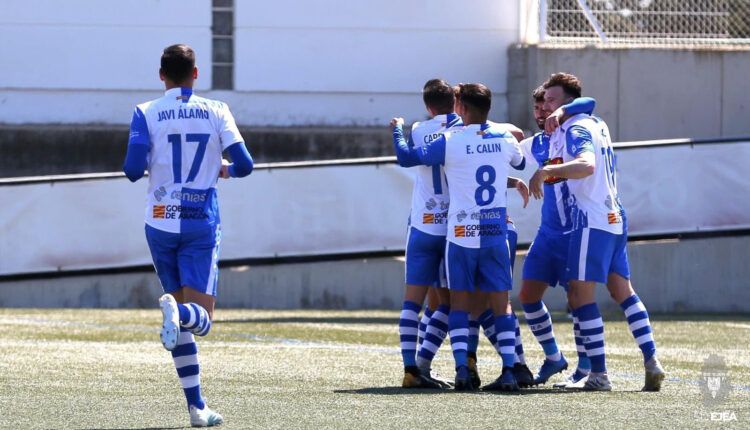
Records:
x=139, y=144
x=431, y=154
x=580, y=105
x=578, y=144
x=402, y=148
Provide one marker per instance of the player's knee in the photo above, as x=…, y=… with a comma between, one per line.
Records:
x=529, y=295
x=525, y=296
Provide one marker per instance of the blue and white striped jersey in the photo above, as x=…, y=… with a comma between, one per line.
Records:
x=186, y=136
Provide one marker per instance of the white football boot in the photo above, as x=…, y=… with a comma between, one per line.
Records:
x=204, y=417
x=170, y=328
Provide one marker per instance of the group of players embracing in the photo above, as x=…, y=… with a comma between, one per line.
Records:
x=461, y=243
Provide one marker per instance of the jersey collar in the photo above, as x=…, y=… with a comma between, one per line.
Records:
x=179, y=93
x=446, y=120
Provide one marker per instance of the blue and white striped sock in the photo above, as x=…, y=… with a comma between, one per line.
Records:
x=639, y=325
x=185, y=357
x=473, y=336
x=458, y=324
x=423, y=326
x=506, y=338
x=408, y=329
x=592, y=331
x=487, y=321
x=520, y=357
x=540, y=324
x=194, y=318
x=435, y=334
x=584, y=364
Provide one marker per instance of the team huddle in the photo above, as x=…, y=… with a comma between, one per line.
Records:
x=461, y=242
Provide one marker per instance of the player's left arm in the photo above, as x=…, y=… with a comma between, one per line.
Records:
x=517, y=160
x=139, y=144
x=233, y=144
x=521, y=187
x=578, y=144
x=431, y=154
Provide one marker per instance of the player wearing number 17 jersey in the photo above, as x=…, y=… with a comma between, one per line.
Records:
x=476, y=159
x=180, y=138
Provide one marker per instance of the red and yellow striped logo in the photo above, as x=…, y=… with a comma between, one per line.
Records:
x=428, y=218
x=614, y=218
x=159, y=211
x=459, y=231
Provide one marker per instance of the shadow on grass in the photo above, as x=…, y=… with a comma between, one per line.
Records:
x=311, y=320
x=393, y=391
x=138, y=428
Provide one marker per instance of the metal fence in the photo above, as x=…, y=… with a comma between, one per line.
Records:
x=715, y=24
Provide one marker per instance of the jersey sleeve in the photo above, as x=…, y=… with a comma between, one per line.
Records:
x=580, y=105
x=578, y=140
x=242, y=161
x=525, y=147
x=517, y=160
x=229, y=134
x=405, y=152
x=139, y=129
x=433, y=153
x=139, y=144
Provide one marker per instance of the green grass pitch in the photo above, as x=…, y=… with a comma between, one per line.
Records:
x=88, y=369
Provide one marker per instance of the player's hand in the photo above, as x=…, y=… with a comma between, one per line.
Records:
x=553, y=121
x=536, y=183
x=224, y=171
x=395, y=122
x=523, y=190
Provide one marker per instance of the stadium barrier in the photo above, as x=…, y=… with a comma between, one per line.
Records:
x=324, y=210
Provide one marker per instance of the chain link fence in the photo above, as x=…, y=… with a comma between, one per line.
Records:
x=713, y=24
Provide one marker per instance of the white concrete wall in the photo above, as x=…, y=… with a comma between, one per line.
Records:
x=317, y=62
x=97, y=45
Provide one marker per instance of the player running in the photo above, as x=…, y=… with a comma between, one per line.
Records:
x=180, y=138
x=477, y=258
x=547, y=256
x=425, y=244
x=598, y=242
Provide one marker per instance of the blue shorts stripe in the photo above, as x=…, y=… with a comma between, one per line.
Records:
x=593, y=254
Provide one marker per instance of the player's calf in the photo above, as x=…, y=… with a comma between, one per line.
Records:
x=194, y=318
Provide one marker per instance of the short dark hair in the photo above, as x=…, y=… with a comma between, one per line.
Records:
x=178, y=62
x=438, y=96
x=538, y=94
x=477, y=97
x=570, y=84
